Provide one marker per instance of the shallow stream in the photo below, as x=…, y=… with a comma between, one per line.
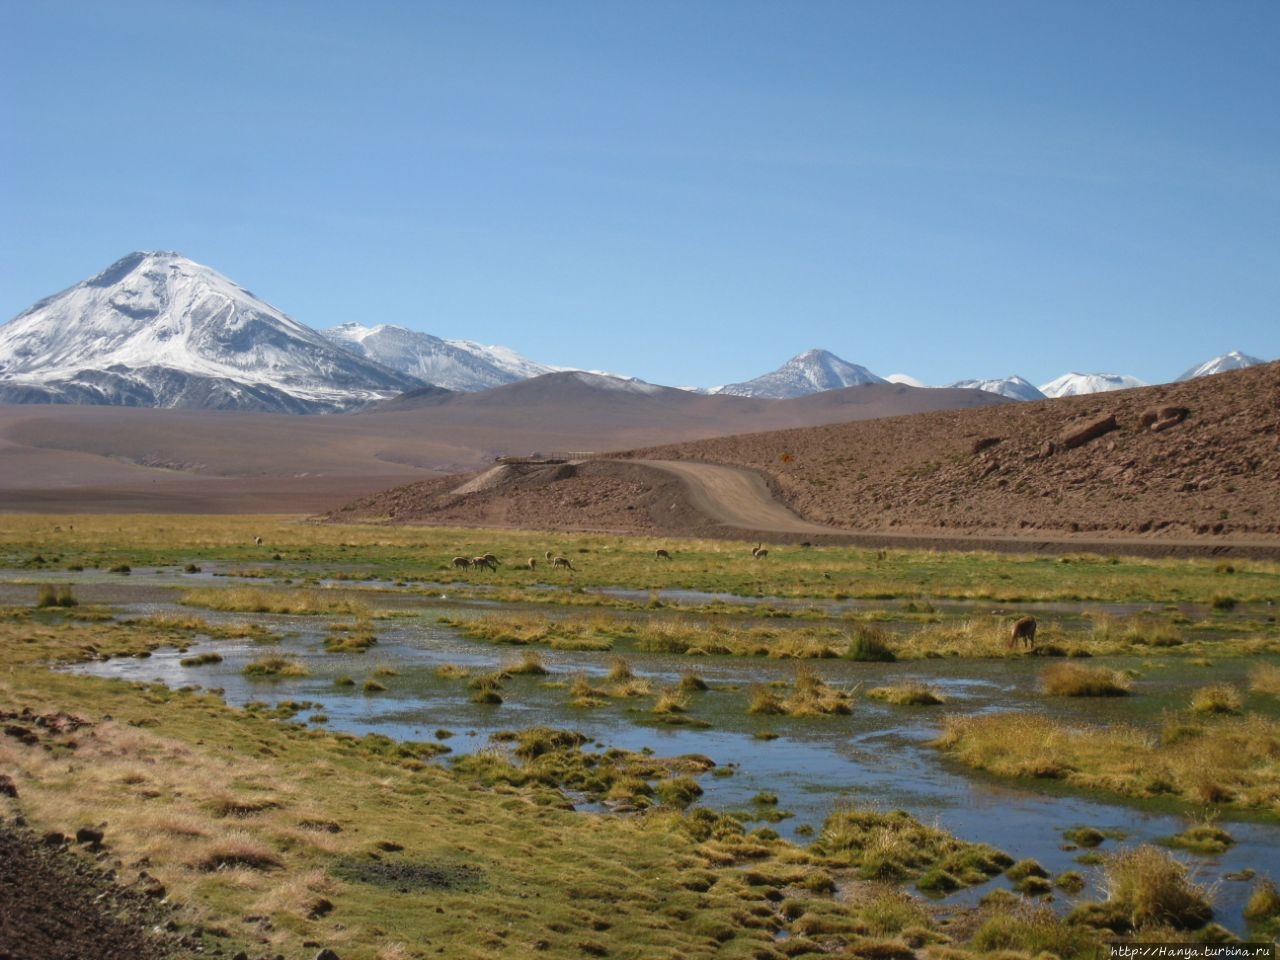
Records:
x=878, y=756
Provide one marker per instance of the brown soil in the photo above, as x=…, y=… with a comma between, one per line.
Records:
x=56, y=905
x=1003, y=477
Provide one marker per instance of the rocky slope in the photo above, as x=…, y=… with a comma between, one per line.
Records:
x=1191, y=461
x=1210, y=468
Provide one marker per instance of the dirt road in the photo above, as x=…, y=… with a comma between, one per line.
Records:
x=736, y=498
x=741, y=502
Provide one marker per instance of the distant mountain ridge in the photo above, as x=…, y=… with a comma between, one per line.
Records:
x=1077, y=384
x=810, y=372
x=1013, y=387
x=1234, y=360
x=452, y=364
x=157, y=329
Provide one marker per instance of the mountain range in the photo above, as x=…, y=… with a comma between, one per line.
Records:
x=160, y=330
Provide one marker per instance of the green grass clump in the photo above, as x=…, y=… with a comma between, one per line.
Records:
x=810, y=696
x=1021, y=929
x=1225, y=761
x=299, y=601
x=895, y=847
x=355, y=637
x=1221, y=698
x=1084, y=836
x=1203, y=838
x=908, y=694
x=200, y=659
x=1074, y=680
x=1069, y=881
x=1263, y=907
x=50, y=596
x=870, y=644
x=1147, y=887
x=275, y=667
x=531, y=663
x=1265, y=678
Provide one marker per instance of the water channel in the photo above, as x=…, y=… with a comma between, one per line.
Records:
x=879, y=756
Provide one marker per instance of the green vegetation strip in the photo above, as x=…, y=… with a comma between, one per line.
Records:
x=1229, y=762
x=356, y=552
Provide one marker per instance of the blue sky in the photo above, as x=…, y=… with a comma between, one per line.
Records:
x=688, y=192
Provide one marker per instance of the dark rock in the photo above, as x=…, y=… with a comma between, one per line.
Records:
x=985, y=443
x=1079, y=435
x=1162, y=418
x=327, y=954
x=89, y=835
x=22, y=734
x=7, y=787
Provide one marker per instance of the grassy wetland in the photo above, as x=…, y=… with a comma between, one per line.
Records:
x=335, y=738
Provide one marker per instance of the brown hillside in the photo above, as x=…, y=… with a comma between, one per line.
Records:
x=70, y=458
x=1007, y=470
x=1186, y=462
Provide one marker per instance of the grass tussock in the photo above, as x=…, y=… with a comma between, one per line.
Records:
x=355, y=637
x=48, y=595
x=870, y=644
x=1228, y=761
x=1076, y=680
x=895, y=847
x=1146, y=887
x=1265, y=678
x=575, y=633
x=1217, y=698
x=275, y=668
x=1204, y=838
x=914, y=694
x=1112, y=633
x=298, y=602
x=1021, y=929
x=1264, y=903
x=201, y=659
x=531, y=664
x=809, y=696
x=980, y=637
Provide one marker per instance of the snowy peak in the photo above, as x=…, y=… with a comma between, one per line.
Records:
x=453, y=364
x=158, y=329
x=1077, y=384
x=1234, y=360
x=1015, y=388
x=810, y=372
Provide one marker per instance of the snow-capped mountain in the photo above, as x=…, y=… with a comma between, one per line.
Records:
x=453, y=364
x=157, y=329
x=1014, y=387
x=1076, y=384
x=810, y=372
x=1234, y=360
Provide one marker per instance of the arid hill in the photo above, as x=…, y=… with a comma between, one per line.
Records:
x=1196, y=462
x=69, y=458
